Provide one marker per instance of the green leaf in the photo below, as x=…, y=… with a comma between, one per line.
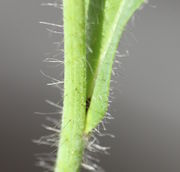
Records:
x=106, y=20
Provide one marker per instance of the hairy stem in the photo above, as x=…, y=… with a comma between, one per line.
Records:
x=71, y=146
x=97, y=24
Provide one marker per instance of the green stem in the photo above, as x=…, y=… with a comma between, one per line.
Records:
x=71, y=146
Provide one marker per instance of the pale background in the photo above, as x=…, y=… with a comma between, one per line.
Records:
x=146, y=106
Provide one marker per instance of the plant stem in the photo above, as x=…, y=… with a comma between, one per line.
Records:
x=71, y=146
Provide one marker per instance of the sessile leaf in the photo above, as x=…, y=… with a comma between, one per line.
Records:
x=106, y=20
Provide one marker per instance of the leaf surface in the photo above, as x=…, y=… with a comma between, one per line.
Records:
x=106, y=20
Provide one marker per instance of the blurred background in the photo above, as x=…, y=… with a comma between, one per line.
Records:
x=146, y=88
